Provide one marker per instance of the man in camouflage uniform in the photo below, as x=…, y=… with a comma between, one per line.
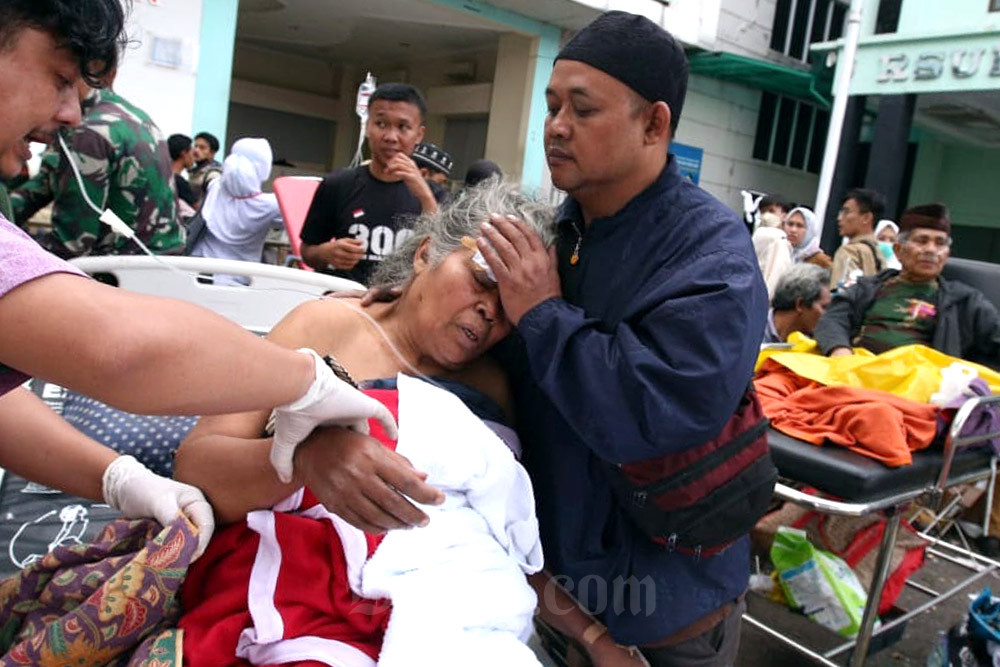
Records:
x=11, y=166
x=6, y=208
x=125, y=166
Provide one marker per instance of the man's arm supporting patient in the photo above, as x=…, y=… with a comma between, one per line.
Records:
x=353, y=475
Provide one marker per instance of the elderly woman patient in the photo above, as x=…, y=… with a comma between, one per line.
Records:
x=292, y=583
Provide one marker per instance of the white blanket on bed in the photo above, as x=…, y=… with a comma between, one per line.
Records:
x=458, y=588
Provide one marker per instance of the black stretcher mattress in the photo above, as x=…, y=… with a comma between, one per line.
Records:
x=837, y=471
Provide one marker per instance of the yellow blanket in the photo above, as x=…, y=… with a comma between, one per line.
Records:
x=911, y=371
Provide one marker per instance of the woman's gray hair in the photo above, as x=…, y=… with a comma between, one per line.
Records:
x=463, y=217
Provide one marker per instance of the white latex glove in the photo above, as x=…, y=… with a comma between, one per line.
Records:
x=137, y=492
x=329, y=401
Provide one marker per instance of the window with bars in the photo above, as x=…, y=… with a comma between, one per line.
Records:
x=799, y=23
x=790, y=133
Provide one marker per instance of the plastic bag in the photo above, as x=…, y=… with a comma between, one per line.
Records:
x=818, y=582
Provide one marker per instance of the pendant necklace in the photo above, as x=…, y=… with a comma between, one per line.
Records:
x=575, y=257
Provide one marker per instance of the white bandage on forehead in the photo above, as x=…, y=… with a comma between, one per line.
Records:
x=481, y=261
x=478, y=258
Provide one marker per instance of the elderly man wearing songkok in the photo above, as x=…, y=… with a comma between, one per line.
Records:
x=914, y=304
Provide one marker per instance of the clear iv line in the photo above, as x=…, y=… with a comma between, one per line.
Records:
x=107, y=216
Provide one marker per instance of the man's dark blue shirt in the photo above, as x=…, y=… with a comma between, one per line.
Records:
x=648, y=352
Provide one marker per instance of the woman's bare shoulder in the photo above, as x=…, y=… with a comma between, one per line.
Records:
x=318, y=324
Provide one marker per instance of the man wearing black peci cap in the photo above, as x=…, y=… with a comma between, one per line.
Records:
x=435, y=165
x=433, y=161
x=635, y=340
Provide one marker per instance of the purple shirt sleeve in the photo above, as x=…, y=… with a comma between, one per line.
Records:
x=21, y=261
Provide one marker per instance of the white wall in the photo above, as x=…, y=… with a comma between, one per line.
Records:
x=745, y=27
x=721, y=119
x=166, y=94
x=691, y=21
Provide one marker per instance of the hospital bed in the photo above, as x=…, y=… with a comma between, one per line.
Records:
x=855, y=485
x=33, y=518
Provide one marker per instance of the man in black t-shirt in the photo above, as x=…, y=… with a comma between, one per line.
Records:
x=360, y=215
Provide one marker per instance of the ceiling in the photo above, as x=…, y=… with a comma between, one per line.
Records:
x=972, y=117
x=363, y=31
x=568, y=14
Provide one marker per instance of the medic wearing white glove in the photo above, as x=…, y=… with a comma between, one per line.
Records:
x=329, y=401
x=137, y=492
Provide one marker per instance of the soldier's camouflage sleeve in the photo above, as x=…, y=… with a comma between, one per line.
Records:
x=74, y=223
x=5, y=206
x=125, y=166
x=140, y=187
x=37, y=192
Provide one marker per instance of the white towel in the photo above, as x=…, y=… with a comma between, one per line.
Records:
x=458, y=587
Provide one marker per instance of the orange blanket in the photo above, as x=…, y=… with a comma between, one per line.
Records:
x=867, y=421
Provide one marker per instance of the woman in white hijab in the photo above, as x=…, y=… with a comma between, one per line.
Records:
x=886, y=232
x=237, y=213
x=802, y=227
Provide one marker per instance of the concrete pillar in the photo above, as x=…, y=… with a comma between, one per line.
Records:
x=517, y=112
x=844, y=177
x=535, y=172
x=510, y=102
x=514, y=138
x=887, y=164
x=215, y=68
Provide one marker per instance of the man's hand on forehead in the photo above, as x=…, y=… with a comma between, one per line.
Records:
x=526, y=272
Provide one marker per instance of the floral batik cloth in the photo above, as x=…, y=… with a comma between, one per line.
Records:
x=112, y=602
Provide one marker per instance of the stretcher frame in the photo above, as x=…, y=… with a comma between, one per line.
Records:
x=894, y=505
